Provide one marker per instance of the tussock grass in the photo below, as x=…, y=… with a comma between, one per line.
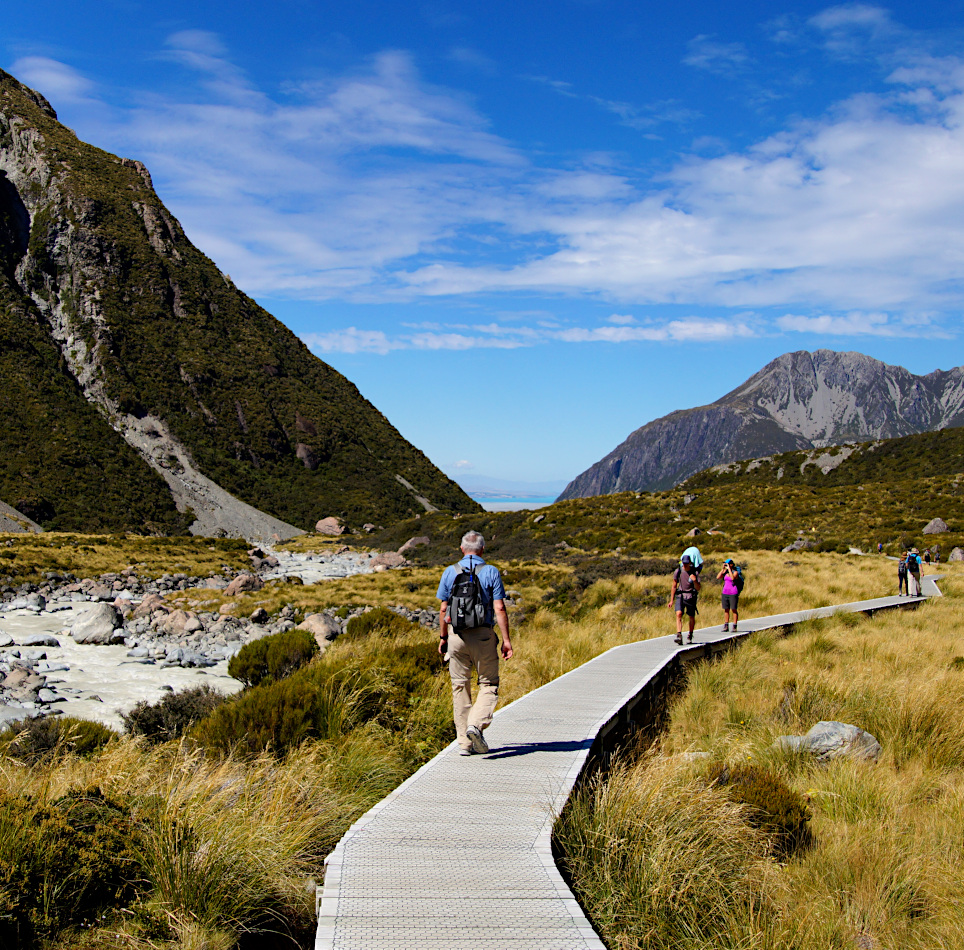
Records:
x=226, y=847
x=26, y=557
x=887, y=859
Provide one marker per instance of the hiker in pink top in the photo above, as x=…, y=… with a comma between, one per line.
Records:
x=731, y=592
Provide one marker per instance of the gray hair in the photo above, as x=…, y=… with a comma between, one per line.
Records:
x=472, y=542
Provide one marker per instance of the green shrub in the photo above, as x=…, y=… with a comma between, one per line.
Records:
x=170, y=717
x=61, y=864
x=273, y=657
x=384, y=684
x=35, y=740
x=315, y=702
x=774, y=807
x=380, y=622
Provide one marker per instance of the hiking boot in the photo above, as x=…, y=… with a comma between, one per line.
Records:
x=474, y=735
x=689, y=639
x=734, y=626
x=466, y=751
x=678, y=639
x=726, y=628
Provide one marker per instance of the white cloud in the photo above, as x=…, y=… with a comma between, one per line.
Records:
x=864, y=324
x=862, y=210
x=464, y=464
x=850, y=16
x=57, y=81
x=375, y=185
x=707, y=53
x=499, y=336
x=351, y=340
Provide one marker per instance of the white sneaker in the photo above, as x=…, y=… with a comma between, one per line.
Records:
x=466, y=751
x=474, y=735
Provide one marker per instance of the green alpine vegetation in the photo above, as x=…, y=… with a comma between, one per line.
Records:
x=110, y=316
x=885, y=491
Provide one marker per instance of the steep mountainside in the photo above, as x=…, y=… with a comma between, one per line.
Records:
x=799, y=401
x=144, y=383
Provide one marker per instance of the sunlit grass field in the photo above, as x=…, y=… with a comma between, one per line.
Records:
x=652, y=847
x=227, y=847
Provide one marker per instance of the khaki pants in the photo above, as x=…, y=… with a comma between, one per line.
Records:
x=476, y=647
x=913, y=585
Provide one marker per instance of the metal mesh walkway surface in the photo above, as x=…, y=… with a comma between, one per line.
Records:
x=459, y=857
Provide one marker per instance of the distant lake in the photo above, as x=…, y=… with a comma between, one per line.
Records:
x=491, y=503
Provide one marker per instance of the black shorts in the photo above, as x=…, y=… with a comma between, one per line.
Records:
x=685, y=607
x=730, y=601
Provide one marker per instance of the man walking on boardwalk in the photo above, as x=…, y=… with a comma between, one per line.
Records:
x=473, y=646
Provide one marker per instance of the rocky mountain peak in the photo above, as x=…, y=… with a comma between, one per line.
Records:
x=799, y=400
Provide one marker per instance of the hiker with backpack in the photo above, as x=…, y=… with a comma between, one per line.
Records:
x=913, y=572
x=902, y=575
x=732, y=588
x=473, y=603
x=683, y=594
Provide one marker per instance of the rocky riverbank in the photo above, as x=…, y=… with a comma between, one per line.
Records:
x=94, y=647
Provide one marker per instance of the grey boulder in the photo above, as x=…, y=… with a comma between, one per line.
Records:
x=956, y=555
x=99, y=624
x=322, y=627
x=834, y=740
x=39, y=640
x=936, y=526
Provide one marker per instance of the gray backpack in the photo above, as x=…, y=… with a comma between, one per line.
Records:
x=466, y=603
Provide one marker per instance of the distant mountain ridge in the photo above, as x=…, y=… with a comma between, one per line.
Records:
x=142, y=390
x=800, y=400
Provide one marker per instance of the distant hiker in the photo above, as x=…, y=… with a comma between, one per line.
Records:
x=683, y=594
x=732, y=586
x=927, y=555
x=693, y=553
x=880, y=547
x=473, y=601
x=913, y=573
x=902, y=575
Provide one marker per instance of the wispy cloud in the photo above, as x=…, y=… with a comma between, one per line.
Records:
x=619, y=329
x=706, y=52
x=375, y=185
x=859, y=323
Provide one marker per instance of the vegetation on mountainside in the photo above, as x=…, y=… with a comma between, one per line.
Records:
x=755, y=515
x=660, y=858
x=912, y=457
x=60, y=463
x=261, y=415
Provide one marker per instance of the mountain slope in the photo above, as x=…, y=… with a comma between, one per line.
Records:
x=798, y=401
x=208, y=388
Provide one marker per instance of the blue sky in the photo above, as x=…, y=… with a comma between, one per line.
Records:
x=525, y=229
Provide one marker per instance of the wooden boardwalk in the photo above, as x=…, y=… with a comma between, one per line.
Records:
x=459, y=856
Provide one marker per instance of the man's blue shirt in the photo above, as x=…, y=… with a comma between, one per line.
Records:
x=490, y=582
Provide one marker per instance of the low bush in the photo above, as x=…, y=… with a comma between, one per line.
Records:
x=380, y=622
x=383, y=684
x=45, y=737
x=170, y=717
x=273, y=657
x=773, y=806
x=315, y=702
x=61, y=864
